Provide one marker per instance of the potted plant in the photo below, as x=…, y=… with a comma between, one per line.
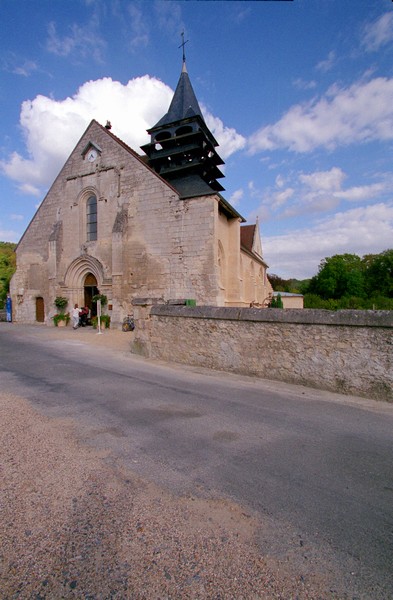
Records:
x=102, y=297
x=105, y=320
x=60, y=303
x=61, y=319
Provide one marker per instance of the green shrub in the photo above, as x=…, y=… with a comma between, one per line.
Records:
x=105, y=321
x=315, y=301
x=60, y=303
x=276, y=302
x=61, y=317
x=102, y=297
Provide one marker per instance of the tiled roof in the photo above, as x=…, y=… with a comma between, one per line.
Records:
x=247, y=233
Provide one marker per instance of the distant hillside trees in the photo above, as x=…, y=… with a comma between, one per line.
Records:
x=345, y=281
x=294, y=286
x=7, y=268
x=378, y=269
x=338, y=276
x=348, y=281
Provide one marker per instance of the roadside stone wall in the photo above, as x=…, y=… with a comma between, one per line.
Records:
x=346, y=351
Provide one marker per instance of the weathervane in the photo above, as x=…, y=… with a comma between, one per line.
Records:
x=183, y=44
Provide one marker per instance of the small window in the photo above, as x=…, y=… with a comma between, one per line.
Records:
x=91, y=219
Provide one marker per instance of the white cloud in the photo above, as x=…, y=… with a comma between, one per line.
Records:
x=52, y=127
x=324, y=181
x=28, y=188
x=169, y=16
x=301, y=84
x=16, y=217
x=358, y=193
x=82, y=42
x=229, y=140
x=330, y=184
x=11, y=63
x=327, y=64
x=362, y=230
x=26, y=68
x=282, y=197
x=363, y=112
x=314, y=193
x=236, y=197
x=139, y=29
x=378, y=33
x=280, y=181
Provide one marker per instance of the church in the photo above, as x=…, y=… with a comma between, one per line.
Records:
x=140, y=228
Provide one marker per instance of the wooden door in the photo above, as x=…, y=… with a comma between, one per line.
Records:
x=39, y=310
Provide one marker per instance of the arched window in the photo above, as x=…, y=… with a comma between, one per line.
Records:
x=91, y=219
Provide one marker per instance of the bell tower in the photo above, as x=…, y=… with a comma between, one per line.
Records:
x=182, y=149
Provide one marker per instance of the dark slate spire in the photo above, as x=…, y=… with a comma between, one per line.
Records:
x=184, y=103
x=182, y=149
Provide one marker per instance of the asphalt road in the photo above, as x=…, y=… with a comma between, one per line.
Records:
x=317, y=468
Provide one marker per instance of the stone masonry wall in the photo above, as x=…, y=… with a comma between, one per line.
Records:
x=149, y=242
x=346, y=351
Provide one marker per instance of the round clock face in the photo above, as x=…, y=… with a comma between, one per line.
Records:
x=92, y=155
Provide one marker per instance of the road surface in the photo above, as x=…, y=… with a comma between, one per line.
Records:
x=315, y=468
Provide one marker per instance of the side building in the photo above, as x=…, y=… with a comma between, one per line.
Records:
x=132, y=227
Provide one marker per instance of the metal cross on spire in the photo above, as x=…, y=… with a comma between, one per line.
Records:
x=182, y=45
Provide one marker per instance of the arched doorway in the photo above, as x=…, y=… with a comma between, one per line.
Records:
x=39, y=310
x=90, y=288
x=84, y=277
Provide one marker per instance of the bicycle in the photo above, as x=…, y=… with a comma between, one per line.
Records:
x=128, y=323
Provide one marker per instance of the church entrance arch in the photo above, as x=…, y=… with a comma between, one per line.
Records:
x=91, y=289
x=39, y=310
x=83, y=279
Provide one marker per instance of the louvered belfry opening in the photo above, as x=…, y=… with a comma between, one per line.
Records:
x=182, y=149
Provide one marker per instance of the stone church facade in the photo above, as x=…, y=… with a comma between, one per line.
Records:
x=140, y=229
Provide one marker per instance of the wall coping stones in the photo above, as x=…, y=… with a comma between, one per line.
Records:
x=146, y=301
x=307, y=316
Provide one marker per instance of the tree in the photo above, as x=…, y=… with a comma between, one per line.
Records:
x=294, y=286
x=378, y=270
x=276, y=302
x=278, y=284
x=338, y=276
x=7, y=268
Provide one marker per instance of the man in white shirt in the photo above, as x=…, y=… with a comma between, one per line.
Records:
x=75, y=317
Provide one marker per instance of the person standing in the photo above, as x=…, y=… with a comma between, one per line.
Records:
x=75, y=317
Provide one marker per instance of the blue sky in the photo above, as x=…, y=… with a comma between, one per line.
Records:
x=298, y=93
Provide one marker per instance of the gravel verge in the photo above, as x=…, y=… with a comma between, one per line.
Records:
x=74, y=526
